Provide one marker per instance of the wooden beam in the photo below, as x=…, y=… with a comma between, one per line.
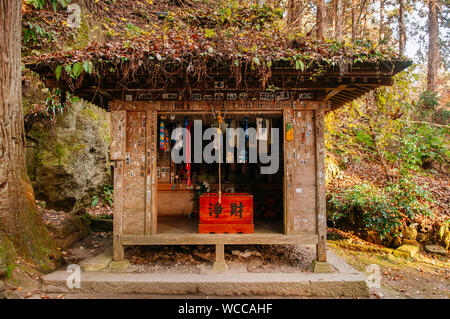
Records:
x=214, y=239
x=334, y=92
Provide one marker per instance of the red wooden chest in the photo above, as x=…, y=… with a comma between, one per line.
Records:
x=234, y=214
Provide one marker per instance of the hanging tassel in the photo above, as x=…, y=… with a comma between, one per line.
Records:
x=230, y=153
x=162, y=143
x=166, y=140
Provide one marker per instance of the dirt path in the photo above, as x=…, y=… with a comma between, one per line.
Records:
x=427, y=276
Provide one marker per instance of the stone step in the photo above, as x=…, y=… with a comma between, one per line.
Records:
x=224, y=284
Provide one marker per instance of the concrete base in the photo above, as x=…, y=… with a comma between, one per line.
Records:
x=220, y=266
x=344, y=282
x=321, y=267
x=119, y=265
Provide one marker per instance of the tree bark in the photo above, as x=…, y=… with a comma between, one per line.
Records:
x=20, y=225
x=401, y=27
x=320, y=18
x=295, y=15
x=354, y=2
x=381, y=34
x=433, y=45
x=338, y=18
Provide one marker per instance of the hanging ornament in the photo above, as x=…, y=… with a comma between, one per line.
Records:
x=166, y=140
x=162, y=130
x=230, y=152
x=289, y=132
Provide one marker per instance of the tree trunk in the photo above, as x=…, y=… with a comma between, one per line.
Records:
x=21, y=228
x=401, y=27
x=338, y=18
x=381, y=34
x=295, y=15
x=320, y=18
x=354, y=20
x=433, y=45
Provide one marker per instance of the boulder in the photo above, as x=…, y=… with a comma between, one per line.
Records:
x=71, y=162
x=410, y=242
x=435, y=249
x=72, y=230
x=407, y=251
x=409, y=232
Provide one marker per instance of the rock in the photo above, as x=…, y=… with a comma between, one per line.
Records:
x=435, y=249
x=99, y=262
x=71, y=158
x=2, y=286
x=409, y=232
x=410, y=242
x=407, y=251
x=73, y=229
x=373, y=237
x=67, y=242
x=254, y=264
x=245, y=254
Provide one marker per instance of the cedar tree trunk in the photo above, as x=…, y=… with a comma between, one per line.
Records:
x=22, y=232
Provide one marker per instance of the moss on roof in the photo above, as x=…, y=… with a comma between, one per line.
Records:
x=192, y=41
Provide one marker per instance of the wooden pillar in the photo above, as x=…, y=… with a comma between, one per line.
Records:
x=220, y=253
x=117, y=151
x=220, y=264
x=148, y=172
x=319, y=116
x=154, y=137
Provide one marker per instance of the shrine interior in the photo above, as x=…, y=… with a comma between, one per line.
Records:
x=180, y=185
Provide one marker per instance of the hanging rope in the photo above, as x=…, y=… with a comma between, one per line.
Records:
x=219, y=119
x=188, y=150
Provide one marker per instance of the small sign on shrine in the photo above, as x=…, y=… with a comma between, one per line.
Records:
x=232, y=214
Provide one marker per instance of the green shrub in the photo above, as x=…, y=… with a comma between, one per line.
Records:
x=382, y=210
